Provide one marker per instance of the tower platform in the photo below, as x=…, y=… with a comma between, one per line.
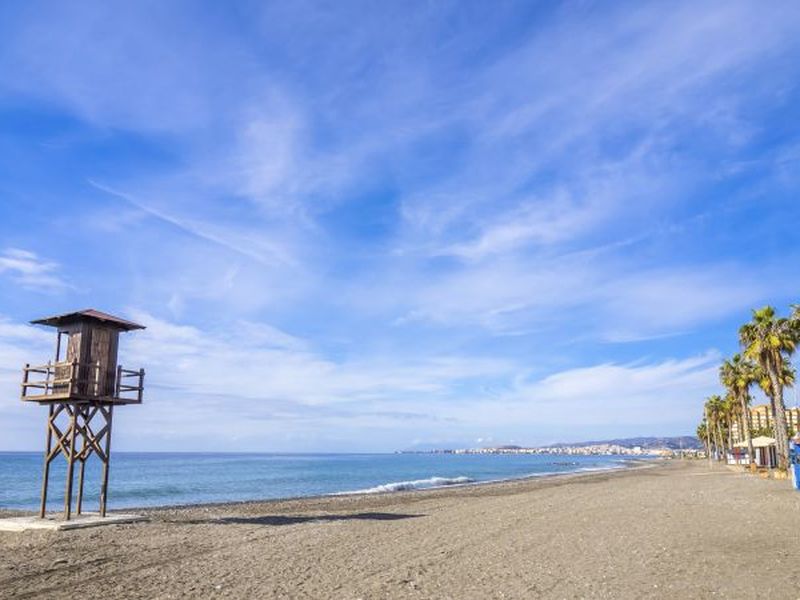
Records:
x=56, y=522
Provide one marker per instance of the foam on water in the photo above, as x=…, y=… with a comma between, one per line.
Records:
x=417, y=484
x=436, y=482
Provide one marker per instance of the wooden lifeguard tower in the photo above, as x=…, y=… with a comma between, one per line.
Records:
x=81, y=390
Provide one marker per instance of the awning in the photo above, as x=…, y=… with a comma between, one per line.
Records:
x=759, y=442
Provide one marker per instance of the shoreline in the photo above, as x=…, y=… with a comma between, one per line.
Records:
x=656, y=530
x=527, y=483
x=625, y=465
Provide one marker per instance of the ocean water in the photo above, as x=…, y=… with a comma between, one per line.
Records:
x=159, y=479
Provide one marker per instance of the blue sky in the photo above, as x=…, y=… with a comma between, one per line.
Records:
x=356, y=226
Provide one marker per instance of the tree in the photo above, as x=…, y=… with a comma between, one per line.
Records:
x=704, y=436
x=717, y=419
x=737, y=375
x=731, y=413
x=795, y=316
x=769, y=341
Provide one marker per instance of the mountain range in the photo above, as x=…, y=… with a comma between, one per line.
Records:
x=687, y=442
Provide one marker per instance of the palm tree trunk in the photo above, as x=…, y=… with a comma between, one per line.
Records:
x=771, y=423
x=720, y=444
x=781, y=431
x=746, y=427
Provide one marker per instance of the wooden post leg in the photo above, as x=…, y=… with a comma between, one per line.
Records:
x=46, y=469
x=82, y=456
x=107, y=462
x=79, y=505
x=70, y=464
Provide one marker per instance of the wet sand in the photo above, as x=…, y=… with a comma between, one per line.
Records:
x=675, y=530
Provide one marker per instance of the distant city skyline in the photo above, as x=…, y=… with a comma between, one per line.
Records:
x=359, y=227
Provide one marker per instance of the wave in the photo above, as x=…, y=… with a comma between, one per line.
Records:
x=603, y=468
x=436, y=482
x=417, y=484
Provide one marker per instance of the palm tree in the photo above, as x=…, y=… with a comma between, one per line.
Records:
x=703, y=435
x=787, y=379
x=715, y=409
x=733, y=414
x=737, y=375
x=769, y=341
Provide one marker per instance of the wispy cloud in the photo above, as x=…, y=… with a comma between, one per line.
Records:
x=250, y=378
x=253, y=387
x=20, y=344
x=600, y=383
x=389, y=215
x=625, y=77
x=260, y=251
x=650, y=396
x=28, y=270
x=261, y=362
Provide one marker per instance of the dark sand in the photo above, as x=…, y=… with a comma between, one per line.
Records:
x=675, y=530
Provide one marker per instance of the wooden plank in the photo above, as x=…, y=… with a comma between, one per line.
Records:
x=66, y=369
x=25, y=380
x=58, y=345
x=99, y=353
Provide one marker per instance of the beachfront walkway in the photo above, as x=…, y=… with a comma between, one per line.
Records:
x=674, y=531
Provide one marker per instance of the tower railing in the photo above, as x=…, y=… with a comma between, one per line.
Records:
x=135, y=386
x=82, y=381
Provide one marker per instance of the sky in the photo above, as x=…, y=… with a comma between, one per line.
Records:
x=360, y=227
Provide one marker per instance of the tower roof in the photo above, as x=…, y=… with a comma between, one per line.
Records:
x=89, y=314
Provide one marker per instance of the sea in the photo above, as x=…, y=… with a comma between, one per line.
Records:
x=168, y=479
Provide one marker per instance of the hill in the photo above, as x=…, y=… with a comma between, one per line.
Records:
x=686, y=442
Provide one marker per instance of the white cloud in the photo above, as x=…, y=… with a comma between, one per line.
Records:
x=599, y=106
x=256, y=387
x=260, y=363
x=603, y=384
x=663, y=301
x=20, y=344
x=237, y=240
x=28, y=270
x=530, y=223
x=643, y=396
x=239, y=377
x=251, y=385
x=267, y=166
x=584, y=296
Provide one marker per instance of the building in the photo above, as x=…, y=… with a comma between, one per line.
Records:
x=765, y=453
x=761, y=418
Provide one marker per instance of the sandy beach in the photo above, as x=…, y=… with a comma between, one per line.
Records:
x=674, y=530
